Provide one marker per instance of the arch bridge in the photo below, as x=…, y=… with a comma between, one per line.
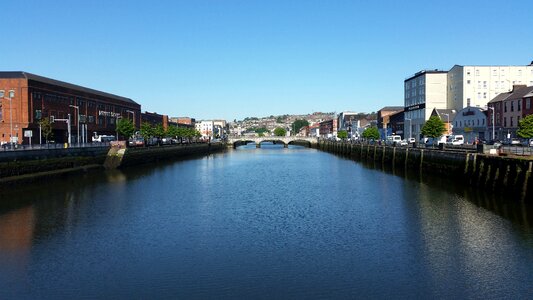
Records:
x=286, y=140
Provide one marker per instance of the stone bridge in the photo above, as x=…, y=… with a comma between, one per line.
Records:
x=286, y=140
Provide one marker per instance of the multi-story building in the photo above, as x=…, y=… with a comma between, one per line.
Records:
x=383, y=119
x=35, y=98
x=395, y=124
x=475, y=86
x=220, y=128
x=328, y=128
x=423, y=92
x=345, y=121
x=183, y=121
x=154, y=119
x=507, y=109
x=205, y=127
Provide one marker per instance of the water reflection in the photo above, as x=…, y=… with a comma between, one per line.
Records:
x=284, y=222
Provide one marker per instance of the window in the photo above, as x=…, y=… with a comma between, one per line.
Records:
x=505, y=107
x=512, y=107
x=479, y=95
x=484, y=84
x=477, y=72
x=511, y=121
x=467, y=101
x=505, y=122
x=485, y=95
x=528, y=103
x=518, y=105
x=468, y=81
x=483, y=121
x=494, y=72
x=38, y=114
x=479, y=84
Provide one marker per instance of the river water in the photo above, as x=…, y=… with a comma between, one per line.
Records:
x=269, y=223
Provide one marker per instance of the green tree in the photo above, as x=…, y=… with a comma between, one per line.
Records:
x=46, y=129
x=342, y=134
x=433, y=128
x=172, y=131
x=147, y=131
x=125, y=128
x=525, y=127
x=260, y=130
x=280, y=131
x=279, y=119
x=371, y=133
x=298, y=124
x=159, y=131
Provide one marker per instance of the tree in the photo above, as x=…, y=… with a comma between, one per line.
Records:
x=433, y=128
x=298, y=124
x=46, y=129
x=342, y=134
x=159, y=131
x=279, y=119
x=280, y=131
x=147, y=130
x=125, y=127
x=525, y=127
x=371, y=133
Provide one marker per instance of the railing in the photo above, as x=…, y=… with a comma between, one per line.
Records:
x=16, y=147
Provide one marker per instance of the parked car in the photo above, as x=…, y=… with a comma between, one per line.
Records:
x=136, y=142
x=455, y=140
x=512, y=142
x=166, y=141
x=403, y=143
x=411, y=140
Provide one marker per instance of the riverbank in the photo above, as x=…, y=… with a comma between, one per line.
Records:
x=21, y=167
x=503, y=174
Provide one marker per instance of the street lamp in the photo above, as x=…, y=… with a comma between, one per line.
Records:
x=132, y=112
x=11, y=94
x=492, y=108
x=77, y=122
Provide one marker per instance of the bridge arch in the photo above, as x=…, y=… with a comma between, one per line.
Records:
x=286, y=140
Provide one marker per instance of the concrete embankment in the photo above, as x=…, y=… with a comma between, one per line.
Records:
x=27, y=166
x=507, y=174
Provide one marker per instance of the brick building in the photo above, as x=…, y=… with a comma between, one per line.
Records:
x=154, y=119
x=36, y=97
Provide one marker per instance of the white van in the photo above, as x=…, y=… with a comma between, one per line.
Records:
x=391, y=139
x=455, y=140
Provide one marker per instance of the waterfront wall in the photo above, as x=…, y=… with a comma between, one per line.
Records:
x=511, y=175
x=19, y=163
x=23, y=166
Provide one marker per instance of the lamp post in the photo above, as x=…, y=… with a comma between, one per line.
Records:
x=132, y=112
x=77, y=122
x=492, y=115
x=11, y=95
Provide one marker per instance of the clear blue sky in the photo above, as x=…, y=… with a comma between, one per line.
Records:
x=233, y=59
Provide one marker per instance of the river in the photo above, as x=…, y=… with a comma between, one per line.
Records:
x=271, y=223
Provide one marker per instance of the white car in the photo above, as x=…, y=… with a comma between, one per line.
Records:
x=403, y=143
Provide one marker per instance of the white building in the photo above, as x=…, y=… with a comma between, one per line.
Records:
x=423, y=92
x=205, y=128
x=471, y=122
x=475, y=86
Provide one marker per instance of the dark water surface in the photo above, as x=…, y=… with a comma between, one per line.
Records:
x=261, y=223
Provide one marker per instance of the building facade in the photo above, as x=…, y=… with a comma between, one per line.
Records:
x=423, y=92
x=328, y=129
x=507, y=109
x=36, y=98
x=471, y=122
x=383, y=119
x=475, y=86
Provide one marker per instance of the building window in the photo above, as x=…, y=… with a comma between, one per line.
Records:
x=467, y=101
x=518, y=108
x=38, y=114
x=505, y=107
x=528, y=103
x=484, y=84
x=479, y=95
x=91, y=119
x=485, y=95
x=504, y=121
x=479, y=84
x=511, y=121
x=512, y=106
x=468, y=81
x=477, y=72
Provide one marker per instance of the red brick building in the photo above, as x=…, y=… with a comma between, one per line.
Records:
x=37, y=97
x=154, y=119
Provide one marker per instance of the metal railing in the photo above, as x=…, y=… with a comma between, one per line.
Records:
x=18, y=147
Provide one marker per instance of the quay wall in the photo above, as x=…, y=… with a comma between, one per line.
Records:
x=24, y=166
x=505, y=174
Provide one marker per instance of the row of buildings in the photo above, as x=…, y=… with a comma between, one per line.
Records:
x=479, y=102
x=77, y=112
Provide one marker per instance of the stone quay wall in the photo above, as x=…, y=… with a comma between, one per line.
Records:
x=506, y=174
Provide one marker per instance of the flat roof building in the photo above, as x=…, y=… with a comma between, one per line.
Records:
x=36, y=98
